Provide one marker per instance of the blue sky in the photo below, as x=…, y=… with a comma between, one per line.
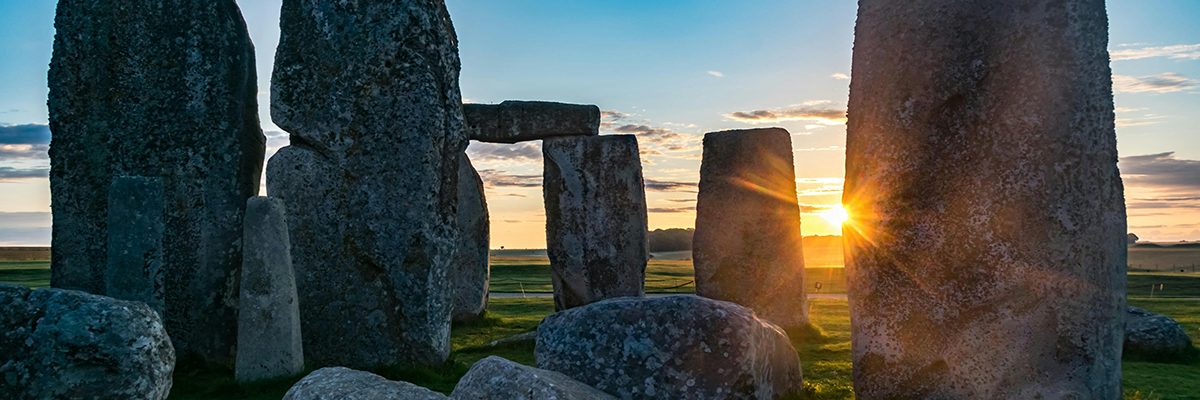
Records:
x=670, y=71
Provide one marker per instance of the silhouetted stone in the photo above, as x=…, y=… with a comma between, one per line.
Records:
x=674, y=347
x=65, y=344
x=1154, y=336
x=135, y=241
x=495, y=378
x=338, y=383
x=470, y=271
x=595, y=218
x=986, y=254
x=164, y=89
x=747, y=246
x=269, y=343
x=518, y=121
x=369, y=93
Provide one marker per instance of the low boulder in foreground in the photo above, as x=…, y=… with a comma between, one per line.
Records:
x=65, y=344
x=674, y=347
x=496, y=378
x=339, y=383
x=1154, y=337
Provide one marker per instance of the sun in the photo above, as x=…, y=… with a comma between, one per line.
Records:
x=836, y=216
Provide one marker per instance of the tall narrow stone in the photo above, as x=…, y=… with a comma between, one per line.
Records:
x=987, y=249
x=369, y=93
x=166, y=89
x=747, y=247
x=595, y=218
x=470, y=271
x=269, y=343
x=135, y=241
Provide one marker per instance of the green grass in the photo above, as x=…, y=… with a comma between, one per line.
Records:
x=33, y=274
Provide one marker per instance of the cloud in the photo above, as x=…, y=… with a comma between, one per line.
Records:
x=715, y=74
x=1175, y=52
x=670, y=210
x=524, y=151
x=840, y=76
x=25, y=228
x=815, y=208
x=1161, y=170
x=670, y=186
x=826, y=148
x=25, y=134
x=661, y=137
x=1169, y=82
x=11, y=174
x=495, y=179
x=817, y=112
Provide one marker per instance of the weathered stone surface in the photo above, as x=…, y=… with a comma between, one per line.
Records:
x=269, y=343
x=517, y=121
x=338, y=383
x=747, y=247
x=470, y=271
x=595, y=218
x=164, y=89
x=674, y=347
x=495, y=378
x=135, y=241
x=986, y=256
x=1149, y=335
x=65, y=344
x=369, y=93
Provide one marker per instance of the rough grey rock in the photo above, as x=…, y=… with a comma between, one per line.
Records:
x=470, y=271
x=674, y=347
x=495, y=378
x=65, y=344
x=164, y=89
x=338, y=383
x=986, y=255
x=595, y=218
x=135, y=242
x=369, y=93
x=269, y=344
x=747, y=247
x=518, y=121
x=1150, y=335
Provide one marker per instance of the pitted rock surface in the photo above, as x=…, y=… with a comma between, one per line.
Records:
x=495, y=378
x=1149, y=335
x=164, y=89
x=747, y=246
x=518, y=121
x=595, y=218
x=369, y=93
x=269, y=344
x=338, y=383
x=135, y=241
x=987, y=251
x=471, y=271
x=65, y=344
x=674, y=347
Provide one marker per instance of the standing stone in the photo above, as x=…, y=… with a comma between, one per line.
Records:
x=519, y=121
x=269, y=315
x=747, y=247
x=595, y=218
x=161, y=88
x=369, y=92
x=135, y=241
x=471, y=271
x=986, y=257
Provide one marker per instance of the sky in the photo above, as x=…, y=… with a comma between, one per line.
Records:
x=670, y=71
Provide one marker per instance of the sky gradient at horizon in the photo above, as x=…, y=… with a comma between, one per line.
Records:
x=669, y=71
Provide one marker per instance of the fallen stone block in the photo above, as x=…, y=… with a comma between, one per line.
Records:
x=338, y=383
x=495, y=378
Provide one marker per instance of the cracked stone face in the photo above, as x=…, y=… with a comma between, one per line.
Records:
x=987, y=254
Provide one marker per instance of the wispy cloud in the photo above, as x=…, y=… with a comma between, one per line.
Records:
x=8, y=174
x=670, y=210
x=671, y=186
x=500, y=179
x=716, y=74
x=818, y=112
x=840, y=76
x=1169, y=82
x=1162, y=170
x=25, y=228
x=1176, y=52
x=24, y=134
x=524, y=151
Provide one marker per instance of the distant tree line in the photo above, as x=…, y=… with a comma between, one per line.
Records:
x=674, y=239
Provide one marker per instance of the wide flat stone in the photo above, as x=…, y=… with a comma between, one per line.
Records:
x=159, y=90
x=338, y=383
x=269, y=341
x=471, y=271
x=747, y=247
x=517, y=121
x=595, y=218
x=495, y=378
x=369, y=94
x=135, y=241
x=986, y=255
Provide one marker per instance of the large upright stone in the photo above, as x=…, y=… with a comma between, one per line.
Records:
x=986, y=255
x=135, y=241
x=595, y=218
x=470, y=271
x=166, y=89
x=369, y=93
x=269, y=343
x=747, y=248
x=517, y=121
